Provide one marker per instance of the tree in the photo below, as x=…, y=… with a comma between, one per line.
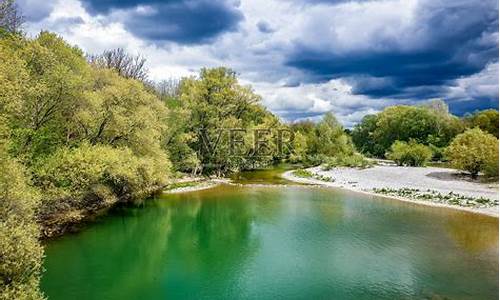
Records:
x=126, y=65
x=474, y=151
x=49, y=86
x=486, y=120
x=429, y=124
x=10, y=18
x=362, y=136
x=331, y=140
x=216, y=103
x=120, y=112
x=21, y=253
x=409, y=154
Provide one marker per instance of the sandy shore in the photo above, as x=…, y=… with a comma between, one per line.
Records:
x=394, y=177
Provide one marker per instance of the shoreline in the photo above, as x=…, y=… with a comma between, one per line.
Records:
x=288, y=175
x=199, y=185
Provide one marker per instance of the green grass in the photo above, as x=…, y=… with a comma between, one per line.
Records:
x=306, y=174
x=178, y=185
x=437, y=197
x=303, y=173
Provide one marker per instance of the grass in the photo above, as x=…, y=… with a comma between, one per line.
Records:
x=307, y=174
x=178, y=185
x=437, y=197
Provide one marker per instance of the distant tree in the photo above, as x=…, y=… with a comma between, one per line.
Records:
x=331, y=140
x=474, y=151
x=438, y=106
x=362, y=136
x=487, y=120
x=126, y=65
x=428, y=124
x=11, y=19
x=168, y=91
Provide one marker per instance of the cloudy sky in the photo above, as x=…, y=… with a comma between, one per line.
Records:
x=305, y=57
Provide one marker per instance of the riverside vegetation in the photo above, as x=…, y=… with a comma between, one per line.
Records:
x=437, y=197
x=80, y=133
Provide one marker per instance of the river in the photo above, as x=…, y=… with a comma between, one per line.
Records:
x=279, y=242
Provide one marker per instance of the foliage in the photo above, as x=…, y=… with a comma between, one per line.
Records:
x=45, y=94
x=10, y=18
x=120, y=112
x=474, y=151
x=86, y=135
x=410, y=154
x=316, y=143
x=82, y=174
x=429, y=124
x=21, y=254
x=363, y=136
x=355, y=160
x=308, y=174
x=302, y=173
x=437, y=197
x=124, y=64
x=213, y=104
x=486, y=120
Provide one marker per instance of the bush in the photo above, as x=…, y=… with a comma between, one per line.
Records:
x=303, y=173
x=20, y=252
x=437, y=152
x=474, y=151
x=86, y=171
x=355, y=160
x=409, y=154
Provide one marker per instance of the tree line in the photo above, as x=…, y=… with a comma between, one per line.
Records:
x=414, y=135
x=79, y=133
x=82, y=132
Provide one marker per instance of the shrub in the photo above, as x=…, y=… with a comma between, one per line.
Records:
x=88, y=170
x=409, y=154
x=474, y=151
x=437, y=152
x=355, y=160
x=20, y=252
x=303, y=173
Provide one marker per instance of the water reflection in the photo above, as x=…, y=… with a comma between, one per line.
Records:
x=474, y=234
x=277, y=242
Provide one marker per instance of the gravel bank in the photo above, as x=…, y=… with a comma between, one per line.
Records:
x=394, y=177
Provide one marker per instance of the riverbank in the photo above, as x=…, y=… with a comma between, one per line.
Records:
x=193, y=184
x=68, y=219
x=438, y=180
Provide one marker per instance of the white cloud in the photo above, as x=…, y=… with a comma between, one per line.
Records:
x=259, y=57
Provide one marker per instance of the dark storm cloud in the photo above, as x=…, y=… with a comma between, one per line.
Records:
x=459, y=39
x=180, y=21
x=461, y=108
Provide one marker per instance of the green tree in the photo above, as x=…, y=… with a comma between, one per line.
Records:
x=486, y=120
x=474, y=151
x=363, y=136
x=409, y=154
x=428, y=124
x=216, y=102
x=21, y=253
x=52, y=77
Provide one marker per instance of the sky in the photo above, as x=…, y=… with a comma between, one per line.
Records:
x=304, y=57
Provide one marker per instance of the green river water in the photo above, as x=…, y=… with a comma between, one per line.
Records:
x=294, y=242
